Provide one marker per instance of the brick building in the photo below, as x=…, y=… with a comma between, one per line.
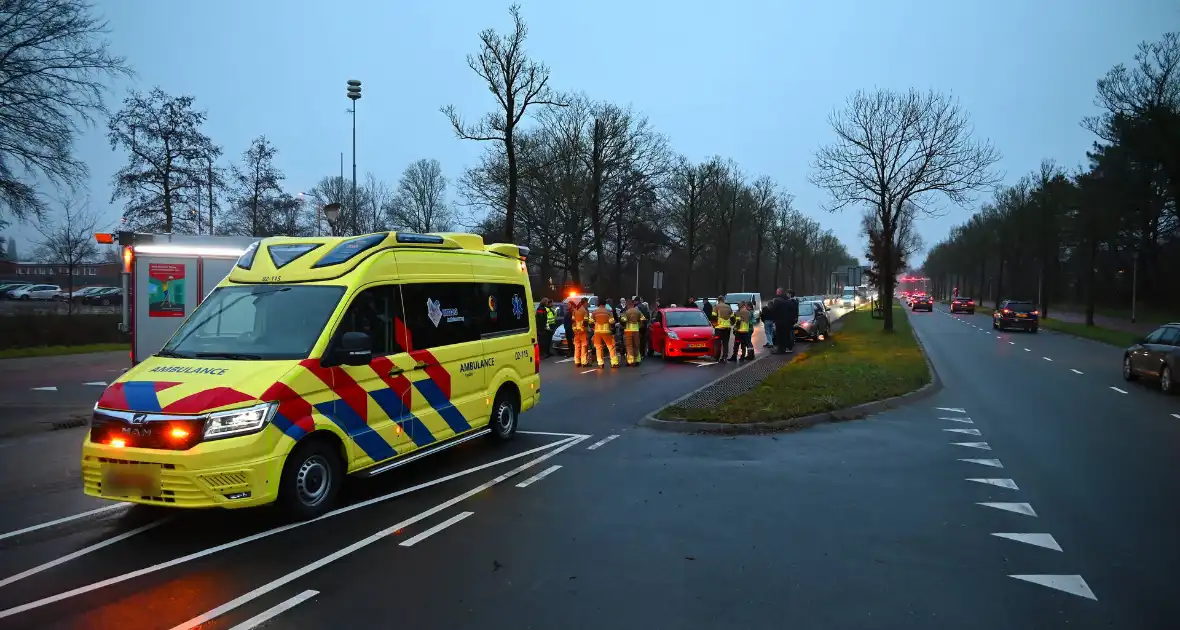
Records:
x=85, y=275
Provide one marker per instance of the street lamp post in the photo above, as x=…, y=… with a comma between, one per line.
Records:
x=354, y=94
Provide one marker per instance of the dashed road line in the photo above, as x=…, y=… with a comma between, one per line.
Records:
x=952, y=409
x=1018, y=508
x=1040, y=540
x=64, y=519
x=1047, y=358
x=590, y=370
x=1027, y=350
x=44, y=389
x=1011, y=343
x=410, y=542
x=599, y=443
x=271, y=613
x=1075, y=371
x=1121, y=391
x=539, y=476
x=96, y=383
x=994, y=463
x=979, y=445
x=1072, y=584
x=963, y=420
x=967, y=431
x=1002, y=483
x=1176, y=415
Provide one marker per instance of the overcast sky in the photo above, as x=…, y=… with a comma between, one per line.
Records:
x=751, y=80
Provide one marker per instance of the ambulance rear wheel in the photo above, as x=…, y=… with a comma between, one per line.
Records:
x=505, y=411
x=311, y=479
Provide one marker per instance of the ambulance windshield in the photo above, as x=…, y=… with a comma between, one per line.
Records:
x=256, y=322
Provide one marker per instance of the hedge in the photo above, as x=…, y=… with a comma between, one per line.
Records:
x=24, y=330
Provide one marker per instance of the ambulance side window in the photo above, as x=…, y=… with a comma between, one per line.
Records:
x=504, y=310
x=442, y=313
x=375, y=312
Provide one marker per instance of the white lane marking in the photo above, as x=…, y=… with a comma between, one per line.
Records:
x=361, y=544
x=271, y=613
x=979, y=445
x=97, y=383
x=952, y=409
x=565, y=360
x=44, y=389
x=963, y=420
x=1072, y=584
x=601, y=442
x=436, y=529
x=708, y=364
x=1019, y=508
x=1011, y=343
x=1121, y=391
x=1075, y=371
x=1027, y=350
x=1176, y=415
x=1040, y=540
x=967, y=431
x=79, y=553
x=591, y=370
x=65, y=519
x=995, y=463
x=539, y=476
x=1003, y=483
x=550, y=433
x=1047, y=358
x=558, y=446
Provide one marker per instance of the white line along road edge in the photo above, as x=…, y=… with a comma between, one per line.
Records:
x=561, y=445
x=65, y=519
x=271, y=613
x=81, y=552
x=361, y=544
x=436, y=529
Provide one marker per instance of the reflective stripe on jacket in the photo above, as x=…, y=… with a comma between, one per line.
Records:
x=724, y=316
x=602, y=320
x=632, y=317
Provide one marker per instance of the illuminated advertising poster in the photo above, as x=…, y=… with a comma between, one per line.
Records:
x=165, y=290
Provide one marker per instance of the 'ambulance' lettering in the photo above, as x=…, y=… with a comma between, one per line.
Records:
x=186, y=369
x=476, y=365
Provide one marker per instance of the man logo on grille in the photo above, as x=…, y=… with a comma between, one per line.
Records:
x=138, y=418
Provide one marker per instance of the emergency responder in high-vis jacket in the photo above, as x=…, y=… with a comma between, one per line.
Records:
x=633, y=319
x=581, y=341
x=743, y=329
x=545, y=327
x=722, y=326
x=604, y=336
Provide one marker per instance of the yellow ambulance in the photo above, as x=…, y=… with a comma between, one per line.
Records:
x=318, y=358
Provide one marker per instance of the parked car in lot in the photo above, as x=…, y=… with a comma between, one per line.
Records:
x=105, y=296
x=814, y=323
x=964, y=305
x=1155, y=357
x=9, y=287
x=678, y=332
x=35, y=292
x=77, y=294
x=1016, y=314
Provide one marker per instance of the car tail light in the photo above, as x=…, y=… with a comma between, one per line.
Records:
x=971, y=303
x=1006, y=311
x=1037, y=313
x=537, y=357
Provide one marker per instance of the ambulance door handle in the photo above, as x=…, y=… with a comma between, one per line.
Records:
x=421, y=365
x=395, y=371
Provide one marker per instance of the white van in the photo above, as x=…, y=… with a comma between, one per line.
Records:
x=754, y=298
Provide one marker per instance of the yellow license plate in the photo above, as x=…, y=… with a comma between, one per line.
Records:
x=1021, y=315
x=698, y=346
x=124, y=480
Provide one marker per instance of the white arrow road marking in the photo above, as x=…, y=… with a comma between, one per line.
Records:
x=967, y=431
x=1019, y=508
x=1003, y=483
x=995, y=463
x=952, y=409
x=98, y=383
x=1075, y=371
x=963, y=420
x=1072, y=584
x=1118, y=390
x=1040, y=540
x=979, y=445
x=45, y=389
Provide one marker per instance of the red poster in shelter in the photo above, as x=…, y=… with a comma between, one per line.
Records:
x=165, y=290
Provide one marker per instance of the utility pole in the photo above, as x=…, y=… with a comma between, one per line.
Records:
x=354, y=93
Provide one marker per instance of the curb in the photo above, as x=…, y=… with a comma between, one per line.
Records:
x=803, y=422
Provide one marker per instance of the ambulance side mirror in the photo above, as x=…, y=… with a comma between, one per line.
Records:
x=353, y=348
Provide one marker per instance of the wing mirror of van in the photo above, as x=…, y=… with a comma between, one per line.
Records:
x=353, y=348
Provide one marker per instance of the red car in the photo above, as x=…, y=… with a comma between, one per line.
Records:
x=682, y=332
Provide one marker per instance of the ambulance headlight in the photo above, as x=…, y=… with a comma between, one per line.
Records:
x=239, y=421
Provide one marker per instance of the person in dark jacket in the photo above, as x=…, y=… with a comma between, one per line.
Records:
x=644, y=350
x=786, y=315
x=707, y=307
x=543, y=329
x=568, y=323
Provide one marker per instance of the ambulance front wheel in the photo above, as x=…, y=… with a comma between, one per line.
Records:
x=311, y=479
x=505, y=411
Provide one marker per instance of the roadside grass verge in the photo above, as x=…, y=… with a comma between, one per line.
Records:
x=858, y=364
x=1110, y=336
x=50, y=351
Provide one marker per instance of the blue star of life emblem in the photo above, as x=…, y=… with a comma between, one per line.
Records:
x=517, y=306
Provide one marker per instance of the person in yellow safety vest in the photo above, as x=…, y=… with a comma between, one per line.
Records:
x=723, y=313
x=604, y=336
x=581, y=341
x=632, y=320
x=743, y=328
x=551, y=316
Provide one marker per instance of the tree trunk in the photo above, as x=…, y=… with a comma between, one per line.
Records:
x=510, y=210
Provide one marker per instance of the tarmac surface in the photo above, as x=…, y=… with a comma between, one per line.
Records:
x=1030, y=492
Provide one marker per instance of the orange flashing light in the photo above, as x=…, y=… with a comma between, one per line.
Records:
x=104, y=238
x=118, y=443
x=178, y=433
x=573, y=293
x=128, y=259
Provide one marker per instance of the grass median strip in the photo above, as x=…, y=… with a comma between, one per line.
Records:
x=49, y=351
x=857, y=365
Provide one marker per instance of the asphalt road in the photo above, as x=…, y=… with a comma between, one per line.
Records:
x=866, y=524
x=38, y=391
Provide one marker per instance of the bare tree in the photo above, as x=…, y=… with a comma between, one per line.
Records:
x=167, y=163
x=517, y=82
x=256, y=186
x=419, y=204
x=895, y=149
x=54, y=63
x=69, y=241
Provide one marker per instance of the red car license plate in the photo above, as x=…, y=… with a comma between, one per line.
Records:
x=697, y=346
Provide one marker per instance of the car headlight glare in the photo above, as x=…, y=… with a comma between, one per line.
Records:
x=239, y=421
x=672, y=335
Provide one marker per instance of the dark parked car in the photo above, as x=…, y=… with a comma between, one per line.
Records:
x=1016, y=314
x=112, y=296
x=1155, y=357
x=813, y=322
x=964, y=305
x=923, y=303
